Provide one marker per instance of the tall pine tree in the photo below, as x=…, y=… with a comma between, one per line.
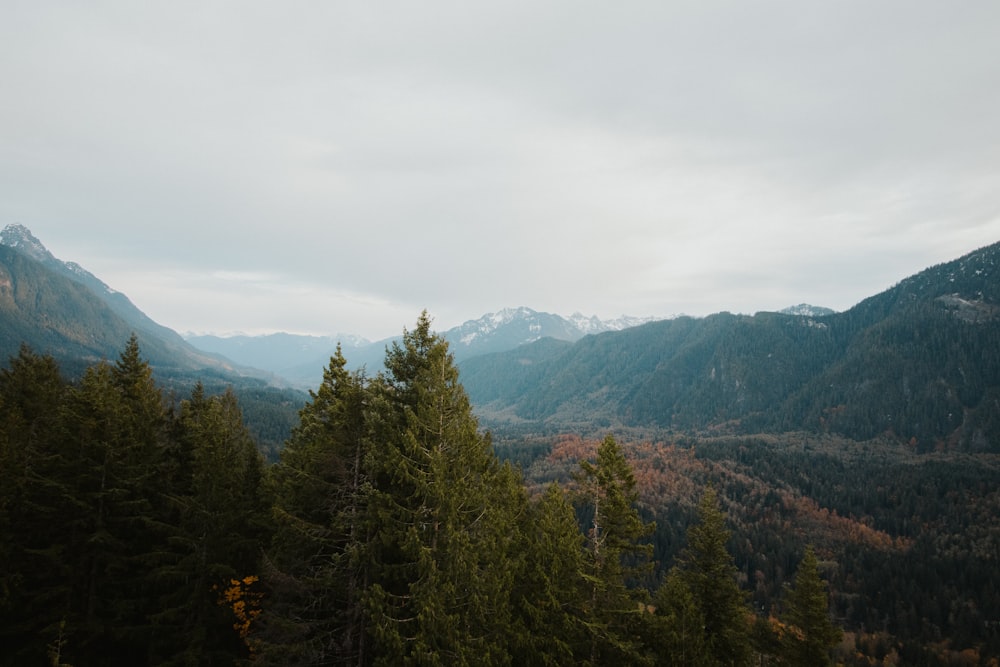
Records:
x=807, y=611
x=550, y=592
x=318, y=563
x=215, y=537
x=617, y=555
x=707, y=574
x=440, y=507
x=116, y=425
x=35, y=491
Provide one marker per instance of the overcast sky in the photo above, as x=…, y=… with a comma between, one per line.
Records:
x=323, y=167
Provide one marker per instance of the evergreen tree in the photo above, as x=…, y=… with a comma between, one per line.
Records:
x=707, y=572
x=116, y=430
x=617, y=555
x=216, y=534
x=118, y=523
x=34, y=488
x=550, y=591
x=317, y=562
x=676, y=631
x=440, y=512
x=807, y=612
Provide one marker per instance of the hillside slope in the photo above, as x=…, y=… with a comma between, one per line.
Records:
x=920, y=361
x=57, y=313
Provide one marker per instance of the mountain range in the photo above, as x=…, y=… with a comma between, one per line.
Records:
x=61, y=309
x=871, y=433
x=300, y=359
x=919, y=361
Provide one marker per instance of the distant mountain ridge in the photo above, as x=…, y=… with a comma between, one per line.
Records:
x=280, y=353
x=920, y=361
x=21, y=239
x=301, y=359
x=807, y=310
x=512, y=327
x=61, y=308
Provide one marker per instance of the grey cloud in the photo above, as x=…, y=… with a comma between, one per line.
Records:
x=675, y=156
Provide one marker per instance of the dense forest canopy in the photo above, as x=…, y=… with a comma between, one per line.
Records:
x=137, y=527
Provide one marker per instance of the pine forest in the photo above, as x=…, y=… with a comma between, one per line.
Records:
x=141, y=526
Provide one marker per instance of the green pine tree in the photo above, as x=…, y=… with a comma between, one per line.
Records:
x=317, y=561
x=550, y=591
x=441, y=516
x=676, y=632
x=616, y=555
x=807, y=612
x=707, y=572
x=35, y=492
x=216, y=536
x=117, y=529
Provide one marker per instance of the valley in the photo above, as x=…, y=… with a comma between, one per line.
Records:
x=871, y=436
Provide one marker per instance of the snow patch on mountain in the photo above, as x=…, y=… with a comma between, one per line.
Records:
x=21, y=238
x=594, y=324
x=807, y=310
x=527, y=326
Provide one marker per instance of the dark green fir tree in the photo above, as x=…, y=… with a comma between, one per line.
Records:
x=703, y=587
x=812, y=634
x=617, y=556
x=317, y=564
x=550, y=591
x=441, y=513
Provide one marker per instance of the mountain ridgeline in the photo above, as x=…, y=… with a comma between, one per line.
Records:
x=59, y=309
x=63, y=309
x=920, y=361
x=299, y=359
x=857, y=450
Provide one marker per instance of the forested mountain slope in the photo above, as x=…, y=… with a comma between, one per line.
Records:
x=920, y=361
x=21, y=239
x=50, y=312
x=69, y=314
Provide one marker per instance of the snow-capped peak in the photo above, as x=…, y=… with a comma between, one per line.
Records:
x=594, y=324
x=807, y=310
x=515, y=326
x=21, y=238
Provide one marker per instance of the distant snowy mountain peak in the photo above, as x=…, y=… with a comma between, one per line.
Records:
x=21, y=238
x=471, y=331
x=511, y=327
x=807, y=310
x=586, y=324
x=594, y=324
x=506, y=316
